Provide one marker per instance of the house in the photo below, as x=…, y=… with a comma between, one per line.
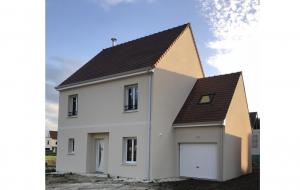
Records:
x=255, y=124
x=144, y=109
x=51, y=141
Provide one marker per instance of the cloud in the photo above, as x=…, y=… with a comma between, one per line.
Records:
x=51, y=115
x=107, y=4
x=234, y=25
x=57, y=70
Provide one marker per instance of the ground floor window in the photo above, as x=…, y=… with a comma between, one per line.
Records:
x=130, y=150
x=71, y=145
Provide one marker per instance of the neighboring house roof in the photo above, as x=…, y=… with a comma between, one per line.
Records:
x=222, y=87
x=53, y=134
x=133, y=55
x=254, y=119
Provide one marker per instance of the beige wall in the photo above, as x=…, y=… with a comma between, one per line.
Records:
x=103, y=103
x=237, y=136
x=210, y=134
x=173, y=79
x=100, y=111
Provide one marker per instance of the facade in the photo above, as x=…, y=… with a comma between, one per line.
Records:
x=51, y=141
x=126, y=113
x=255, y=124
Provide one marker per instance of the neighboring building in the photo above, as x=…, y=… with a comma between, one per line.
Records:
x=144, y=109
x=51, y=141
x=255, y=124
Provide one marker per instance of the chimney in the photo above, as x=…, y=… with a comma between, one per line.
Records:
x=113, y=41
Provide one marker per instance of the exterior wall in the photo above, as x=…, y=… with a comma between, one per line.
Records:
x=173, y=79
x=256, y=151
x=100, y=110
x=237, y=136
x=210, y=134
x=46, y=143
x=53, y=144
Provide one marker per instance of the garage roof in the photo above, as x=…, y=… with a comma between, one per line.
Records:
x=222, y=88
x=133, y=55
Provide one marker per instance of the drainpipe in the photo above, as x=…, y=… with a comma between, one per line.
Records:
x=149, y=128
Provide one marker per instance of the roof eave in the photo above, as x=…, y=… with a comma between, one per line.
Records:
x=200, y=124
x=131, y=73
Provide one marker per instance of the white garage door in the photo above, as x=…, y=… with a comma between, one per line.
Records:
x=199, y=160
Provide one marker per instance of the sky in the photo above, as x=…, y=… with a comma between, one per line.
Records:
x=225, y=33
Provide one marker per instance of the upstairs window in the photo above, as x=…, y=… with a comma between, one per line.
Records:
x=131, y=97
x=73, y=105
x=71, y=146
x=206, y=99
x=130, y=148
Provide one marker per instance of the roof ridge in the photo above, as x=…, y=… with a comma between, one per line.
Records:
x=214, y=76
x=187, y=24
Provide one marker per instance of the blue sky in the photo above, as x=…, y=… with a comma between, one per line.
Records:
x=77, y=30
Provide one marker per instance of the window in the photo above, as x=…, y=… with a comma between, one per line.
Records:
x=71, y=146
x=48, y=142
x=131, y=97
x=206, y=99
x=254, y=141
x=73, y=105
x=130, y=147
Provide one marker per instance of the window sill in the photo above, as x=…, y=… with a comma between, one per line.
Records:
x=71, y=153
x=72, y=116
x=130, y=111
x=129, y=163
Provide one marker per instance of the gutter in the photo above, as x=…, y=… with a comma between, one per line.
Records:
x=150, y=124
x=200, y=124
x=106, y=78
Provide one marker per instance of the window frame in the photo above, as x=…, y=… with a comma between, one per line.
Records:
x=71, y=145
x=135, y=98
x=71, y=112
x=211, y=96
x=133, y=141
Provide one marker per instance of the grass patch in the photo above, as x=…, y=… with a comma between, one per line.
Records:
x=51, y=160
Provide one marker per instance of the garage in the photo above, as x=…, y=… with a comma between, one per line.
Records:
x=199, y=161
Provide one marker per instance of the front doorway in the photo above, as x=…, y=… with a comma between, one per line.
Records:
x=100, y=155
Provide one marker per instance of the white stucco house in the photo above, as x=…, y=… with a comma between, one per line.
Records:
x=144, y=109
x=51, y=141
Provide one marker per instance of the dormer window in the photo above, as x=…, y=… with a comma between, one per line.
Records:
x=73, y=105
x=131, y=97
x=206, y=99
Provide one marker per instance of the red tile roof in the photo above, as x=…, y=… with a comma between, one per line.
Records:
x=222, y=86
x=133, y=55
x=53, y=134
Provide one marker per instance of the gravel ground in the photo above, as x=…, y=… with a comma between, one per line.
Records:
x=79, y=182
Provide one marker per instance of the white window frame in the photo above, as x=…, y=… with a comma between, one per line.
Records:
x=70, y=105
x=135, y=97
x=125, y=151
x=71, y=145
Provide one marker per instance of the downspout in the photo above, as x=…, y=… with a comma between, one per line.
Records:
x=150, y=118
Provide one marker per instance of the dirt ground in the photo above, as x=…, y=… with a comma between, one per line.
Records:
x=76, y=182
